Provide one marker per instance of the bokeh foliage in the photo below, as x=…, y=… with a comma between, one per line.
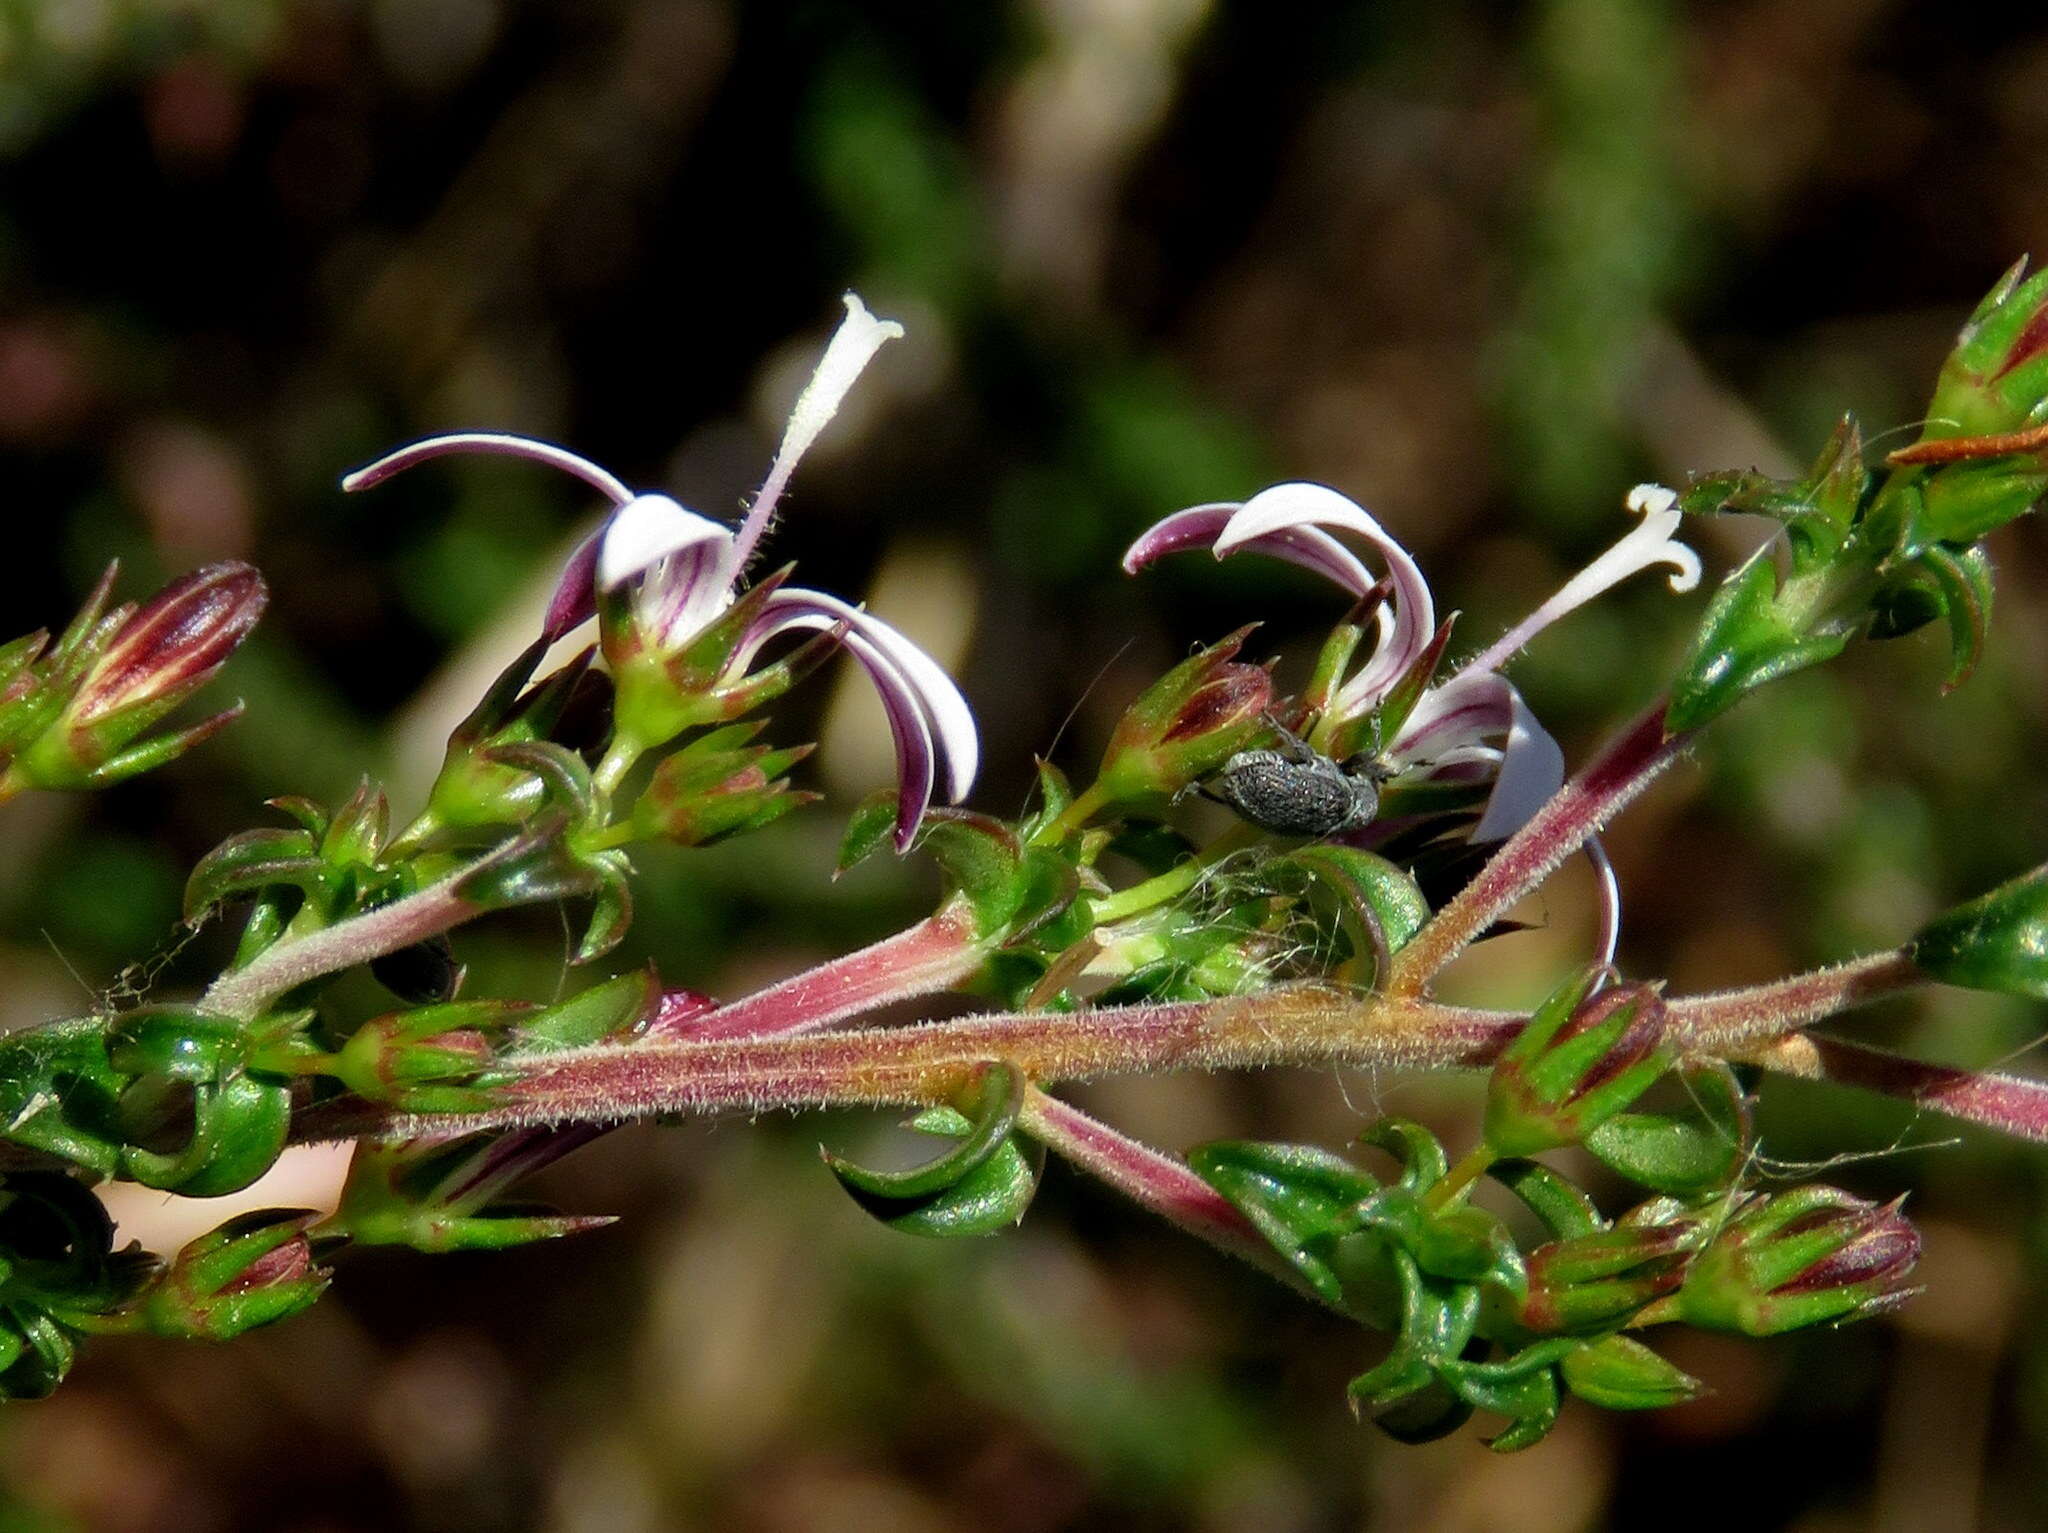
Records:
x=1481, y=267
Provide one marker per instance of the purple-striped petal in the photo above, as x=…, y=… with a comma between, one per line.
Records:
x=933, y=727
x=1467, y=710
x=492, y=444
x=648, y=529
x=1200, y=527
x=1299, y=509
x=575, y=598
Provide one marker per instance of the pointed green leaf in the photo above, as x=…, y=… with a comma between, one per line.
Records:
x=1998, y=941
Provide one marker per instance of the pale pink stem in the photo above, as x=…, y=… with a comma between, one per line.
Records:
x=295, y=960
x=928, y=957
x=1732, y=1019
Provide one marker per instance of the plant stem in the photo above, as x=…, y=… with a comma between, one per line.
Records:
x=1730, y=1019
x=1577, y=810
x=1470, y=1167
x=2012, y=1104
x=244, y=993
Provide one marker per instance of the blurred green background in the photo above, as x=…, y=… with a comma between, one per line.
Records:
x=1482, y=267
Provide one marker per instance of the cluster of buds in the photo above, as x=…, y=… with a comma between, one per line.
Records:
x=77, y=714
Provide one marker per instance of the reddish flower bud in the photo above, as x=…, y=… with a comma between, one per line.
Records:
x=1187, y=724
x=1578, y=1063
x=128, y=669
x=1814, y=1256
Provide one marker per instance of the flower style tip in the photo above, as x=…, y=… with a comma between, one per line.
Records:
x=853, y=345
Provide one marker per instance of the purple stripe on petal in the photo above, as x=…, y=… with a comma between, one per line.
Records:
x=910, y=721
x=492, y=444
x=952, y=721
x=575, y=598
x=647, y=530
x=1302, y=507
x=1196, y=527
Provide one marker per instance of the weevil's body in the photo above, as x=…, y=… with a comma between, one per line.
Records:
x=1297, y=791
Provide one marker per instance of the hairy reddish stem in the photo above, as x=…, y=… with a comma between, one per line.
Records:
x=295, y=960
x=1732, y=1019
x=1576, y=811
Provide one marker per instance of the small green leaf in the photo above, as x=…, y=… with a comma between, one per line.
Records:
x=1619, y=1373
x=607, y=1010
x=1378, y=902
x=252, y=860
x=998, y=1098
x=1301, y=1199
x=1691, y=1154
x=1998, y=941
x=1743, y=644
x=1563, y=1206
x=989, y=1199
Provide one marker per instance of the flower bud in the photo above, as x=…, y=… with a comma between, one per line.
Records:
x=1996, y=379
x=251, y=1271
x=717, y=785
x=1814, y=1256
x=1592, y=1282
x=1577, y=1063
x=1187, y=724
x=133, y=668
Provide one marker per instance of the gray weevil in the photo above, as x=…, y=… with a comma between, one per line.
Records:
x=1295, y=790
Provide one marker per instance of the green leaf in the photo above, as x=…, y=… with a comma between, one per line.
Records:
x=1619, y=1373
x=989, y=1199
x=998, y=1098
x=608, y=1010
x=1460, y=1243
x=982, y=861
x=252, y=860
x=1378, y=902
x=1299, y=1198
x=1998, y=941
x=1420, y=1153
x=1690, y=1154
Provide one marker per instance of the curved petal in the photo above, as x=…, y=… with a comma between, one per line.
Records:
x=1299, y=509
x=1200, y=526
x=575, y=598
x=1472, y=706
x=1645, y=545
x=646, y=530
x=494, y=444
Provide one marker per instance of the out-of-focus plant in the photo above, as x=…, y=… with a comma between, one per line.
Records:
x=1387, y=813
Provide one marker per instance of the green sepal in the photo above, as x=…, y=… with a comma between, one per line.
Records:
x=359, y=829
x=1302, y=1200
x=1998, y=941
x=1743, y=644
x=1379, y=903
x=1962, y=502
x=989, y=1199
x=867, y=830
x=1564, y=1207
x=1619, y=1373
x=998, y=1097
x=606, y=1011
x=1997, y=377
x=238, y=1131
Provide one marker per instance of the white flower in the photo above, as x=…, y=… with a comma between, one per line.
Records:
x=683, y=570
x=1472, y=727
